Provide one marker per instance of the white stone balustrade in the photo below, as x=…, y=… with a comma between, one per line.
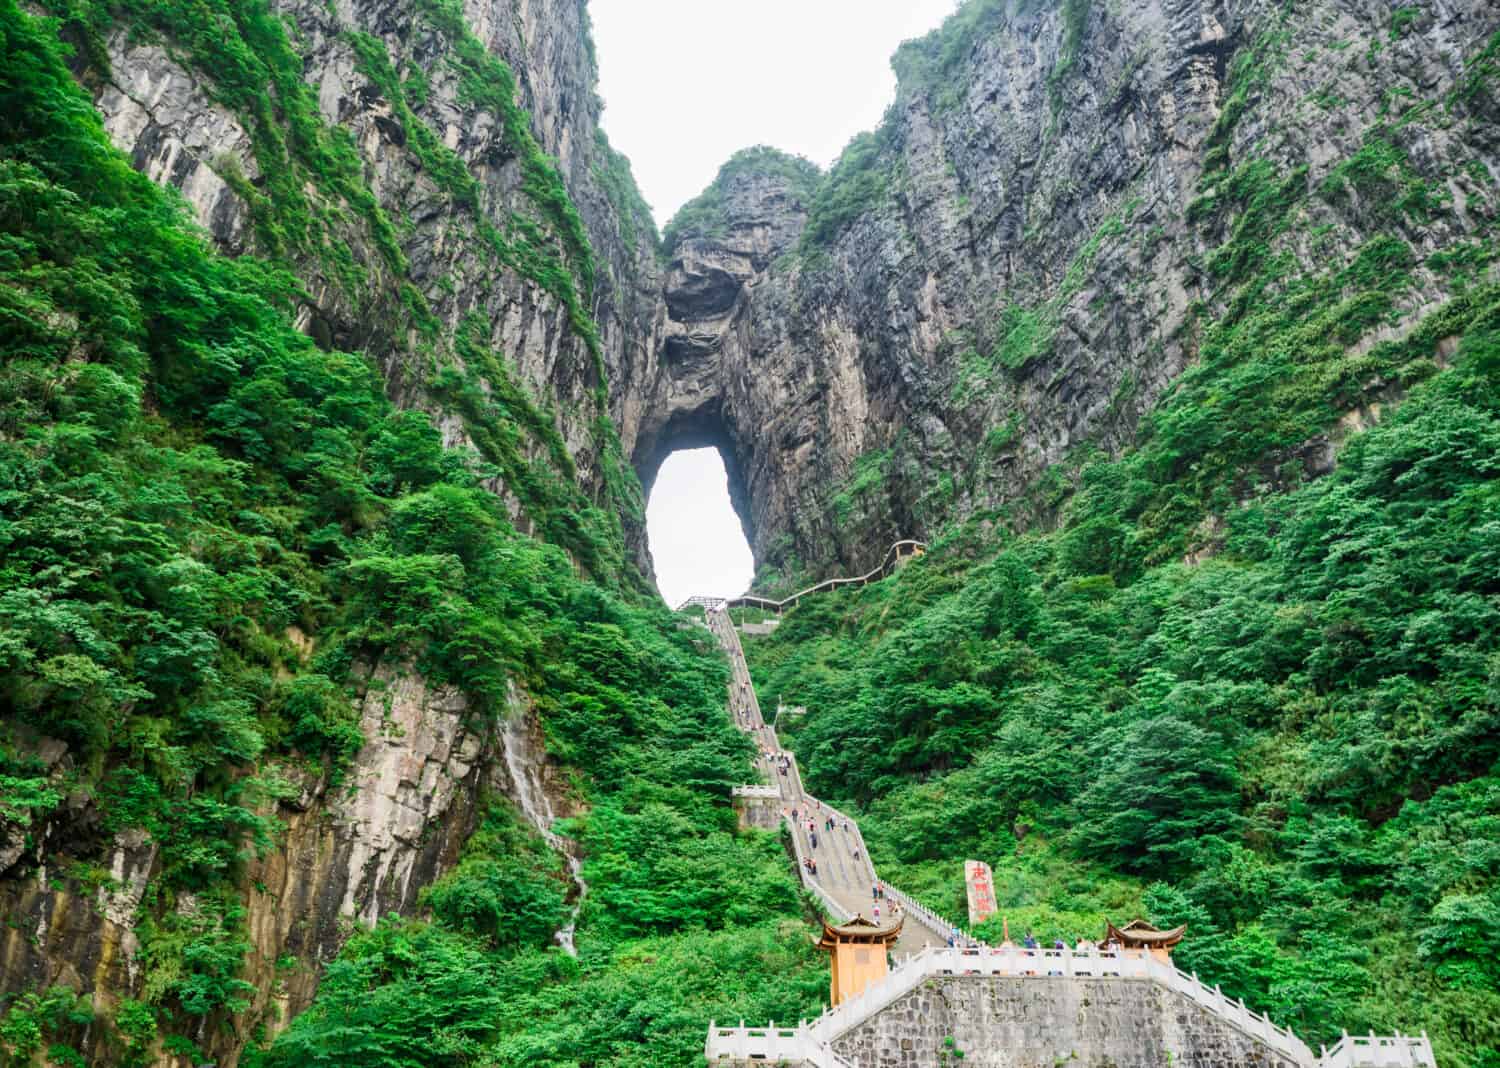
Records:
x=767, y=792
x=763, y=1043
x=811, y=1042
x=1372, y=1051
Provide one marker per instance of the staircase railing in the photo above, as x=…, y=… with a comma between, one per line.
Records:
x=1046, y=964
x=1386, y=1051
x=894, y=555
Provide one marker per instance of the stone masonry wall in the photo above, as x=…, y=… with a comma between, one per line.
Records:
x=1001, y=1022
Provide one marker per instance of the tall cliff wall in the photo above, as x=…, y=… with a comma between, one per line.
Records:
x=438, y=179
x=1065, y=208
x=436, y=183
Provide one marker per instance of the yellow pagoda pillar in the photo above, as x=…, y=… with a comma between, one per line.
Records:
x=858, y=952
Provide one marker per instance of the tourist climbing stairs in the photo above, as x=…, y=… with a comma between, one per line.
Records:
x=836, y=868
x=831, y=853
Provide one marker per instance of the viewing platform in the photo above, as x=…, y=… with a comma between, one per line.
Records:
x=1007, y=1005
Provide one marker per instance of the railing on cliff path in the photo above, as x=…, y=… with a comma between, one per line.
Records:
x=812, y=1042
x=718, y=622
x=901, y=550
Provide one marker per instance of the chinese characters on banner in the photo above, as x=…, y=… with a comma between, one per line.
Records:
x=981, y=891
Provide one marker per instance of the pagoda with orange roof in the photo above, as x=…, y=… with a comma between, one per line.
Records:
x=859, y=952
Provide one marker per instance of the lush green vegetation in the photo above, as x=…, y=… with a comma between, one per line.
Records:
x=857, y=181
x=612, y=172
x=1216, y=692
x=704, y=215
x=209, y=528
x=932, y=63
x=311, y=176
x=686, y=920
x=1292, y=745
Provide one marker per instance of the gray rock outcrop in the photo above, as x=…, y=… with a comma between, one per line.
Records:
x=351, y=852
x=1021, y=282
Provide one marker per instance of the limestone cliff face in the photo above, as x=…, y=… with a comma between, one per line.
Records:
x=165, y=113
x=363, y=847
x=1022, y=274
x=351, y=852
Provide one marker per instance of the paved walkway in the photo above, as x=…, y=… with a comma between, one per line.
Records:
x=845, y=877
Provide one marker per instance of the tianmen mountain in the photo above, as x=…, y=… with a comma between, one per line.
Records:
x=1115, y=428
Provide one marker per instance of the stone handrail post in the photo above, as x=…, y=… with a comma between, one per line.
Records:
x=1400, y=1051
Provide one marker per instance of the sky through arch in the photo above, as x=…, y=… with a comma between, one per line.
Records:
x=696, y=539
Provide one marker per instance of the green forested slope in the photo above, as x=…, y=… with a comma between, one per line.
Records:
x=185, y=483
x=1291, y=745
x=1194, y=680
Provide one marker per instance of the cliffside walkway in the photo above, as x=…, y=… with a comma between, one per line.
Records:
x=898, y=553
x=845, y=879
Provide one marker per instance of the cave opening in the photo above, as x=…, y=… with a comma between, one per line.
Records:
x=697, y=537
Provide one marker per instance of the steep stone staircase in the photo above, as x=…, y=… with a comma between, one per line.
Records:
x=933, y=949
x=845, y=882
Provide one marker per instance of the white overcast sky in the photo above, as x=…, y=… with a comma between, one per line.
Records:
x=696, y=540
x=686, y=84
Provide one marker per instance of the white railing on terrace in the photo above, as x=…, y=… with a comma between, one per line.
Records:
x=769, y=1043
x=1386, y=1051
x=1044, y=964
x=756, y=791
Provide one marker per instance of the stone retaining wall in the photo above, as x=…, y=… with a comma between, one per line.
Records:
x=999, y=1022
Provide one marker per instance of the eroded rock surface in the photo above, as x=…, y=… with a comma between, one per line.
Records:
x=1023, y=286
x=352, y=851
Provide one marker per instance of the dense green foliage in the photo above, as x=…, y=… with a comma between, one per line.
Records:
x=857, y=181
x=210, y=529
x=1294, y=742
x=632, y=213
x=686, y=920
x=931, y=62
x=705, y=214
x=310, y=175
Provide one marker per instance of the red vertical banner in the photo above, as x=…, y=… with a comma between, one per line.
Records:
x=981, y=887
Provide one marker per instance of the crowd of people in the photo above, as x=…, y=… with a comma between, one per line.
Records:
x=1084, y=945
x=814, y=820
x=779, y=761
